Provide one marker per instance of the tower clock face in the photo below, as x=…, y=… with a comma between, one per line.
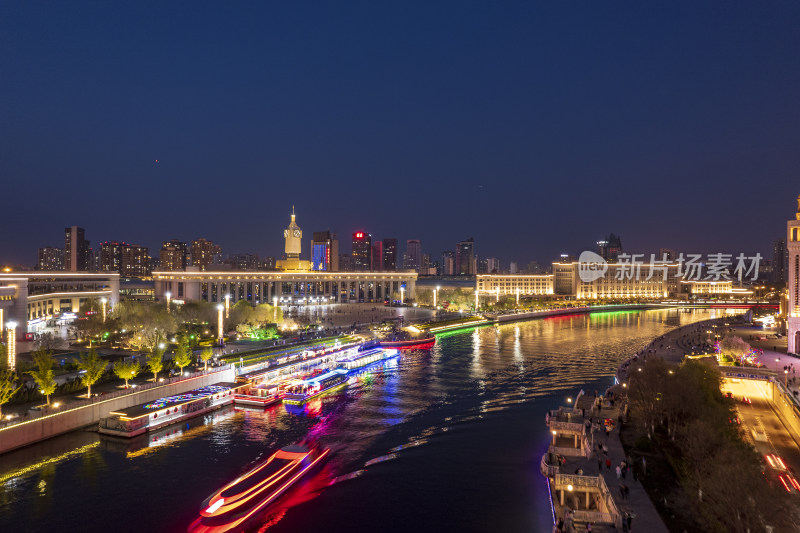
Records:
x=297, y=233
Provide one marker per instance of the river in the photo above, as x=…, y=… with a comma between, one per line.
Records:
x=453, y=438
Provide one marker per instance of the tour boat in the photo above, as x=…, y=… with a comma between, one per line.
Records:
x=361, y=359
x=232, y=506
x=300, y=391
x=257, y=395
x=410, y=344
x=136, y=420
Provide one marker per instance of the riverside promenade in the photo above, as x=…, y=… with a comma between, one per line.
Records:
x=605, y=451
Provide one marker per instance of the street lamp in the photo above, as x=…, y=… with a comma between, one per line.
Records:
x=497, y=294
x=220, y=308
x=476, y=300
x=435, y=292
x=168, y=295
x=402, y=295
x=517, y=296
x=227, y=305
x=12, y=345
x=104, y=301
x=786, y=379
x=776, y=364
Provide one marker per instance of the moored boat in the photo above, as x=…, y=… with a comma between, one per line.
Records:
x=138, y=419
x=300, y=391
x=410, y=344
x=361, y=359
x=257, y=395
x=232, y=506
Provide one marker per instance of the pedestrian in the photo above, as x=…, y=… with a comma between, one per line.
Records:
x=627, y=491
x=619, y=472
x=608, y=464
x=644, y=466
x=599, y=465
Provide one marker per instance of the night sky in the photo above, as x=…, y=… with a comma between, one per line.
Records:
x=534, y=127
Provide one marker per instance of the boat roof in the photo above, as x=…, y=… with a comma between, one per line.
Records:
x=359, y=355
x=168, y=402
x=295, y=448
x=326, y=375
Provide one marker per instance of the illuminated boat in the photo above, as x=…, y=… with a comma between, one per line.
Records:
x=411, y=344
x=257, y=395
x=361, y=359
x=232, y=506
x=300, y=391
x=139, y=419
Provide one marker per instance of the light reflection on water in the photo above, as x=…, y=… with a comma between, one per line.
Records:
x=453, y=426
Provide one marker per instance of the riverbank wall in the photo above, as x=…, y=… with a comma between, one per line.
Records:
x=51, y=425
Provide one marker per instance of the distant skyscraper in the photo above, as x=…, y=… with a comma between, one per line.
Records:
x=534, y=268
x=76, y=250
x=610, y=248
x=50, y=259
x=173, y=255
x=268, y=263
x=780, y=260
x=465, y=258
x=345, y=263
x=492, y=265
x=413, y=257
x=793, y=282
x=377, y=256
x=205, y=253
x=135, y=261
x=361, y=259
x=669, y=253
x=324, y=251
x=448, y=263
x=243, y=261
x=389, y=255
x=513, y=268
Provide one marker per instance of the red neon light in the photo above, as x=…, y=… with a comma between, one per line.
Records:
x=359, y=235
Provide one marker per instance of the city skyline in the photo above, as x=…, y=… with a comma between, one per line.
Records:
x=681, y=125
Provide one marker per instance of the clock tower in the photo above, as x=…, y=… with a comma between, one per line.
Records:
x=293, y=236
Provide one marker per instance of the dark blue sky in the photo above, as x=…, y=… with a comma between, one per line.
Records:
x=535, y=127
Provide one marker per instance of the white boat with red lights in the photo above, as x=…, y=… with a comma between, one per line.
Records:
x=232, y=506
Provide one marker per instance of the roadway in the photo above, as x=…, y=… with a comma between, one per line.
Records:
x=763, y=427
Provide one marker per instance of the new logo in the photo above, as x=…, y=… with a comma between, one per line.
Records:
x=591, y=266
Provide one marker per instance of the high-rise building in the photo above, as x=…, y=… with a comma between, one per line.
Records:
x=361, y=259
x=780, y=261
x=50, y=259
x=448, y=263
x=377, y=256
x=513, y=268
x=135, y=261
x=610, y=248
x=492, y=265
x=173, y=255
x=793, y=282
x=110, y=256
x=77, y=254
x=325, y=251
x=204, y=253
x=268, y=263
x=667, y=254
x=465, y=258
x=534, y=268
x=412, y=260
x=389, y=255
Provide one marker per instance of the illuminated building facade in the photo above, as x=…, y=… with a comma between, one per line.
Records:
x=325, y=252
x=793, y=283
x=135, y=261
x=27, y=296
x=173, y=255
x=377, y=256
x=507, y=284
x=204, y=253
x=287, y=287
x=413, y=258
